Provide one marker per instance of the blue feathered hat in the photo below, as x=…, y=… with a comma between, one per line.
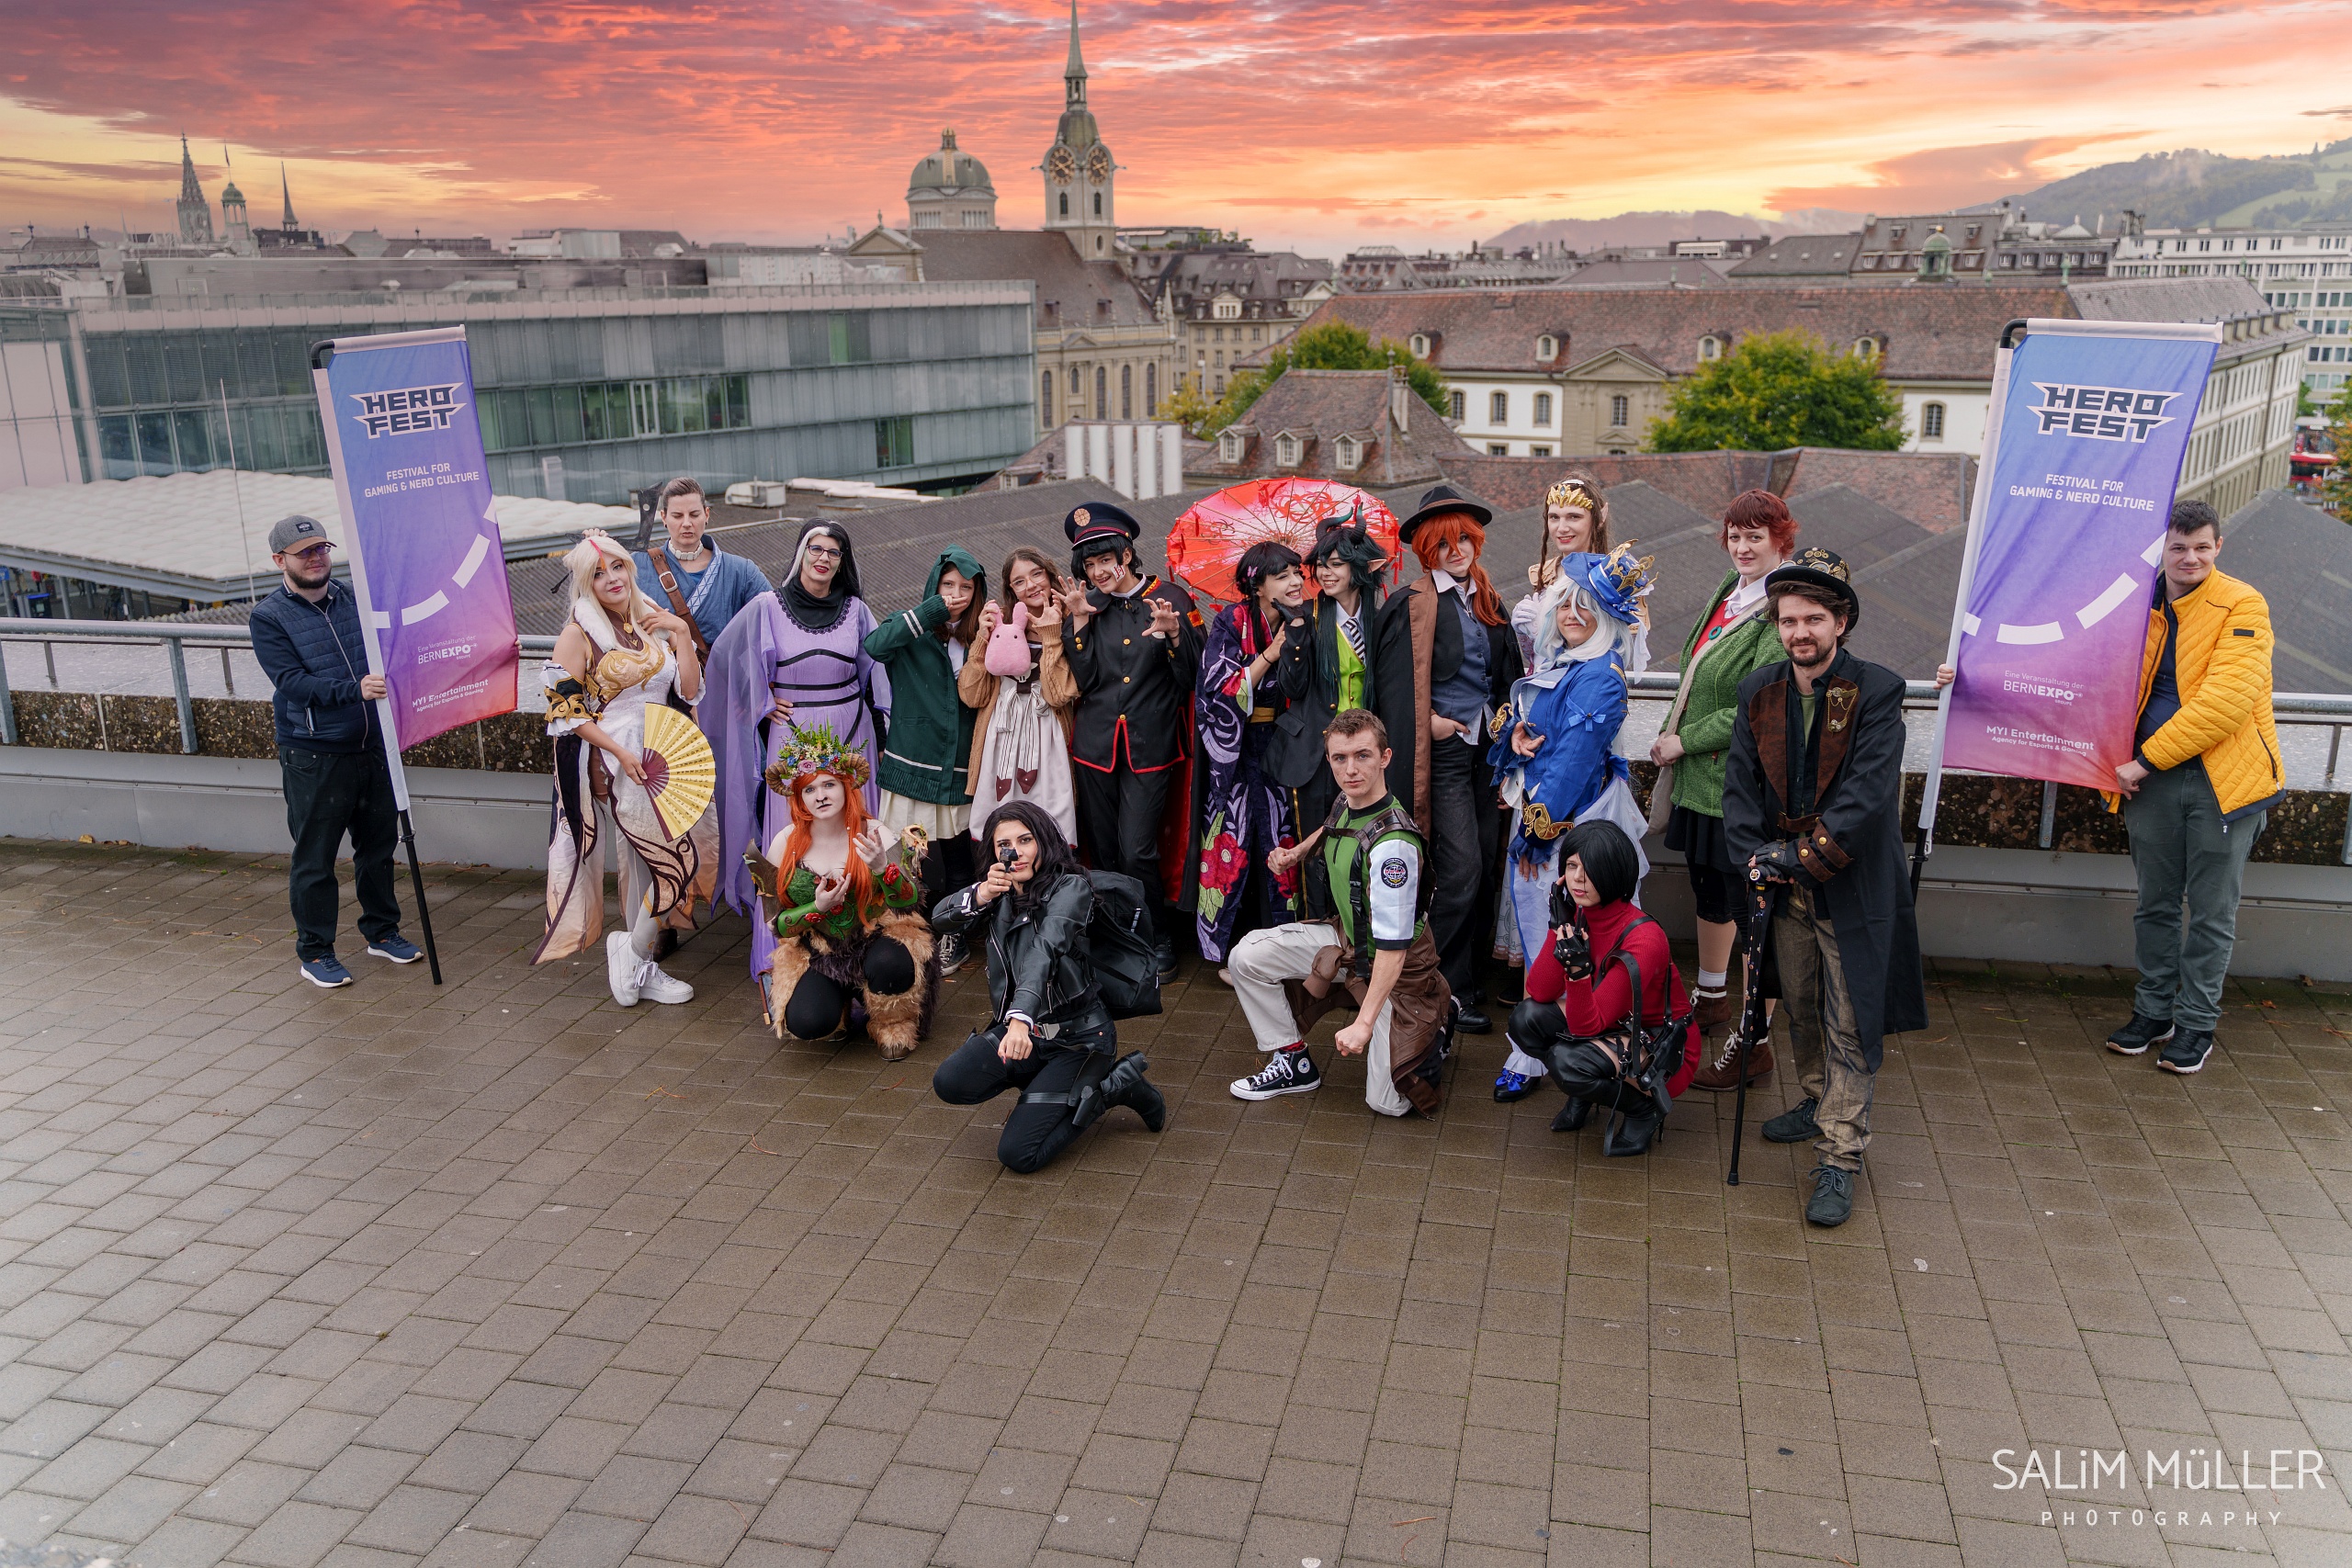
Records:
x=1616, y=581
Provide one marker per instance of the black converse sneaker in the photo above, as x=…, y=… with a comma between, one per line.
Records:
x=2134, y=1038
x=1285, y=1072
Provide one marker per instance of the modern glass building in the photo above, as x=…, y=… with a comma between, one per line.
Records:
x=585, y=394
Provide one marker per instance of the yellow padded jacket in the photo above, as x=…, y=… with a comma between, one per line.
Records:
x=2222, y=660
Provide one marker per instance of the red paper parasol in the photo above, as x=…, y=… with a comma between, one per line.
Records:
x=1208, y=541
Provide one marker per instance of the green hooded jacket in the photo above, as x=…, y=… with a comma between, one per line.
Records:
x=1707, y=718
x=928, y=755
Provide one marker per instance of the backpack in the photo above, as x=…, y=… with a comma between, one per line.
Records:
x=1625, y=1071
x=1124, y=938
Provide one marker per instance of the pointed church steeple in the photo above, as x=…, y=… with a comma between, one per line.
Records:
x=1078, y=167
x=288, y=225
x=1074, y=73
x=194, y=211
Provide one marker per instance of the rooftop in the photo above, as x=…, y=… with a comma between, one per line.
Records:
x=498, y=1273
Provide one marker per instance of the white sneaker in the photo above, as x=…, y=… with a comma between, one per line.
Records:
x=656, y=986
x=620, y=968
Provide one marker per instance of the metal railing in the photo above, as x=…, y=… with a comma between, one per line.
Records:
x=2309, y=709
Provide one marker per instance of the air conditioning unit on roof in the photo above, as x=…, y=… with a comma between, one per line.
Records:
x=757, y=492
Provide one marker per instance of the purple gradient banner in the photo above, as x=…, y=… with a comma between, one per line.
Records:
x=420, y=526
x=2086, y=457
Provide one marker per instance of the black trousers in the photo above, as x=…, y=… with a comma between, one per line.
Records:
x=949, y=868
x=1465, y=845
x=328, y=796
x=1036, y=1131
x=1118, y=815
x=817, y=1004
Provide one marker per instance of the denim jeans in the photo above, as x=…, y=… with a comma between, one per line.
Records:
x=2185, y=855
x=328, y=796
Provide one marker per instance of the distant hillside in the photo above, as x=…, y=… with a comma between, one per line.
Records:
x=2190, y=190
x=1657, y=228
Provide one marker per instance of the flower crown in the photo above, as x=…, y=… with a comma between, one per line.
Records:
x=817, y=749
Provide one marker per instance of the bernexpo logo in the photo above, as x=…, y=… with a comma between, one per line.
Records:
x=407, y=410
x=2102, y=413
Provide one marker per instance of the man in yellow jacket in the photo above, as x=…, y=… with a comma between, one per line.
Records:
x=2202, y=778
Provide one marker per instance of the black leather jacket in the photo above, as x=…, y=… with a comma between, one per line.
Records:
x=1039, y=963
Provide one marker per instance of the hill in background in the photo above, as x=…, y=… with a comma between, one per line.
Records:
x=2192, y=189
x=1582, y=234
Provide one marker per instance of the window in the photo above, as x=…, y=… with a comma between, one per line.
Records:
x=1498, y=408
x=1456, y=404
x=1931, y=421
x=894, y=442
x=1126, y=391
x=1547, y=346
x=1866, y=348
x=1711, y=348
x=1620, y=412
x=1229, y=446
x=1498, y=448
x=1102, y=392
x=609, y=411
x=1045, y=397
x=1151, y=391
x=1285, y=451
x=1065, y=198
x=1098, y=204
x=1543, y=410
x=1347, y=452
x=1257, y=335
x=1073, y=384
x=1419, y=343
x=1539, y=451
x=1228, y=309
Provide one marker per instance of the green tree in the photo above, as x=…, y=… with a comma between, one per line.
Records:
x=1778, y=391
x=1188, y=406
x=1333, y=345
x=2335, y=485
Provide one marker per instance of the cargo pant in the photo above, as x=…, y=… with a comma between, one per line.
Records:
x=2187, y=859
x=1822, y=1037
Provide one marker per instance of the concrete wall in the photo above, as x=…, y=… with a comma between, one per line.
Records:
x=2023, y=906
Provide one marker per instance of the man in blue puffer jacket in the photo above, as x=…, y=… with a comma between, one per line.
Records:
x=330, y=751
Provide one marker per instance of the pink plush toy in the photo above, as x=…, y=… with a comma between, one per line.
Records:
x=1008, y=651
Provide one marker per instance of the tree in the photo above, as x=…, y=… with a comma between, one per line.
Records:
x=1777, y=390
x=1189, y=407
x=2336, y=484
x=1333, y=345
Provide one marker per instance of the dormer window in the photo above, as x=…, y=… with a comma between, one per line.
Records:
x=1347, y=452
x=1229, y=446
x=1547, y=347
x=1711, y=348
x=1286, y=451
x=1866, y=348
x=1419, y=343
x=1228, y=309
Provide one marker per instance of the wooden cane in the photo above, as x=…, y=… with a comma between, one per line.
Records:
x=1752, y=1020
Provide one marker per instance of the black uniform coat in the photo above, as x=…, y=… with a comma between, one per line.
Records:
x=1134, y=692
x=1848, y=774
x=1309, y=674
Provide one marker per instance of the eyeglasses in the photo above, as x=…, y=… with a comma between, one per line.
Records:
x=823, y=552
x=309, y=552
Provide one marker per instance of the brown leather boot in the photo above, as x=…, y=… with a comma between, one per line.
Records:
x=1723, y=1072
x=1713, y=1010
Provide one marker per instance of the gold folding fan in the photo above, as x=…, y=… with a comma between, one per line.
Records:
x=680, y=771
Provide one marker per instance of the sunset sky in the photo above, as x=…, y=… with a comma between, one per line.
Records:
x=1320, y=125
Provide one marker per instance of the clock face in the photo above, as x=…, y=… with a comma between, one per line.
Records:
x=1097, y=163
x=1061, y=166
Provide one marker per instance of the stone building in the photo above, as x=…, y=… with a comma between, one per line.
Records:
x=950, y=189
x=1362, y=427
x=1229, y=301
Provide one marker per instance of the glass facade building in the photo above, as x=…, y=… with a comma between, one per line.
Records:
x=585, y=394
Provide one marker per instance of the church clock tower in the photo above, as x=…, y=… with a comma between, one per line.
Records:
x=1078, y=166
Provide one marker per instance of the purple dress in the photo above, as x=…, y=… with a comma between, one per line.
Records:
x=825, y=673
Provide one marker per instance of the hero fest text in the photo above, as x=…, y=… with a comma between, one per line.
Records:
x=407, y=410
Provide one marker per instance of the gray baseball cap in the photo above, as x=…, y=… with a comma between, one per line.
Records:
x=296, y=533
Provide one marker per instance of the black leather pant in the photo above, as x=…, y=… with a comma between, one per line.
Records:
x=1036, y=1130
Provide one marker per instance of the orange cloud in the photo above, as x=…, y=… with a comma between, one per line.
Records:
x=1309, y=121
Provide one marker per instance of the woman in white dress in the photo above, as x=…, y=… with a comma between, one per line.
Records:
x=617, y=655
x=1024, y=696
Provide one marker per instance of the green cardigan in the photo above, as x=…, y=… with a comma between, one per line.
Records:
x=1707, y=717
x=928, y=754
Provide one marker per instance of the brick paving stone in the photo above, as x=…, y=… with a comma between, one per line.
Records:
x=495, y=1275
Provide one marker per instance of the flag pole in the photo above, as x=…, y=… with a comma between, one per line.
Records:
x=1923, y=842
x=321, y=352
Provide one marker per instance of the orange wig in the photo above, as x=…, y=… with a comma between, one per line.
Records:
x=1432, y=542
x=864, y=902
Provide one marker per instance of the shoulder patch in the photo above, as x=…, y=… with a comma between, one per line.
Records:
x=1393, y=873
x=1195, y=617
x=2242, y=631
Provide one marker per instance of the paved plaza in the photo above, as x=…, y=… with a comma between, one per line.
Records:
x=499, y=1273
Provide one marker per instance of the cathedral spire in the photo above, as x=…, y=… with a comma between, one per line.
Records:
x=194, y=211
x=1074, y=73
x=191, y=191
x=289, y=191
